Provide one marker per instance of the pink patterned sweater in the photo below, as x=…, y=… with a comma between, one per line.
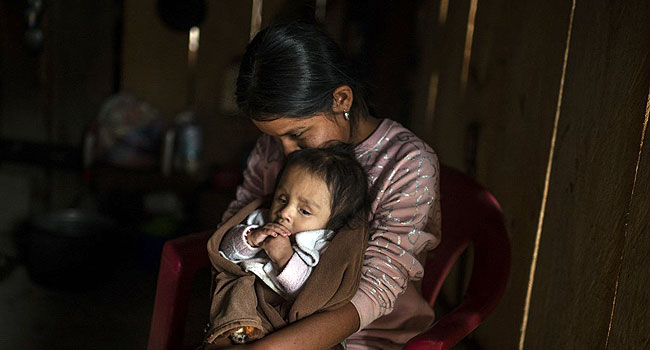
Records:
x=404, y=178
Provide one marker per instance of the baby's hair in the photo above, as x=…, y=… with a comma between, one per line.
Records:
x=345, y=178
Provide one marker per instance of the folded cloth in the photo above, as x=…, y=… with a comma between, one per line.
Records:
x=241, y=300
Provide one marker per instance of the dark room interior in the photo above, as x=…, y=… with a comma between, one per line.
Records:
x=119, y=131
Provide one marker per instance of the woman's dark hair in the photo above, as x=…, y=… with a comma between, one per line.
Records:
x=292, y=70
x=345, y=178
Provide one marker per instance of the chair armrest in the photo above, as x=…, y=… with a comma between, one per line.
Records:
x=181, y=258
x=490, y=272
x=447, y=332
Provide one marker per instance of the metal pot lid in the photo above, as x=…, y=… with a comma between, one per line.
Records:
x=72, y=223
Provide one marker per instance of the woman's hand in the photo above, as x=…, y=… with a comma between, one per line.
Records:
x=279, y=250
x=319, y=331
x=259, y=235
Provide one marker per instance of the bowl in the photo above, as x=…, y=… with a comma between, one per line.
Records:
x=67, y=249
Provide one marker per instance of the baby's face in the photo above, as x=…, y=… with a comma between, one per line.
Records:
x=301, y=201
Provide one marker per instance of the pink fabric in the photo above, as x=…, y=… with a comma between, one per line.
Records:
x=410, y=317
x=294, y=274
x=404, y=178
x=235, y=246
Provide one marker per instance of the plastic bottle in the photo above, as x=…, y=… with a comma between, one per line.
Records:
x=186, y=138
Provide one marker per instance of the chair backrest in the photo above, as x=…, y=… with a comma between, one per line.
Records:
x=470, y=215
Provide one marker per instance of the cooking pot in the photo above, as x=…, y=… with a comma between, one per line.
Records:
x=68, y=248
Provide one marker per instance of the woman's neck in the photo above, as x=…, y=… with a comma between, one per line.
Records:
x=365, y=128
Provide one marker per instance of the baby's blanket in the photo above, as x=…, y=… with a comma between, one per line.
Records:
x=239, y=299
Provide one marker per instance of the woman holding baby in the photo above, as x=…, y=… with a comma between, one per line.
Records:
x=299, y=89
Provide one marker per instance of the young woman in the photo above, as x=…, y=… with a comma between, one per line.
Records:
x=298, y=89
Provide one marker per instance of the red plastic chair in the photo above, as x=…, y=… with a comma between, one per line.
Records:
x=470, y=215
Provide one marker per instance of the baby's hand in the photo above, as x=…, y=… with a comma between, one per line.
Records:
x=279, y=250
x=258, y=235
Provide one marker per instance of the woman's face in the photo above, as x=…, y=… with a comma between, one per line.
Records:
x=294, y=134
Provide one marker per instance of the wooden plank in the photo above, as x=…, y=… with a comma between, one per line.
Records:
x=599, y=130
x=390, y=42
x=154, y=59
x=224, y=36
x=447, y=126
x=155, y=69
x=425, y=81
x=515, y=70
x=82, y=39
x=631, y=323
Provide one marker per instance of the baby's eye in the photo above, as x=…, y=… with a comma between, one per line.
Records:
x=282, y=200
x=304, y=212
x=296, y=135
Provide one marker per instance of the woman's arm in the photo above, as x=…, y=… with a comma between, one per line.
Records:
x=319, y=331
x=406, y=182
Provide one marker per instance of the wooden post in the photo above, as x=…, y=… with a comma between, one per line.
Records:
x=256, y=17
x=630, y=327
x=593, y=174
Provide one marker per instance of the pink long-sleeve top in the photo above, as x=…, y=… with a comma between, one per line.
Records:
x=404, y=178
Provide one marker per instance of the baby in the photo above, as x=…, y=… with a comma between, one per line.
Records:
x=319, y=192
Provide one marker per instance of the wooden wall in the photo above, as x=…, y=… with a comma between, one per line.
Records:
x=154, y=65
x=551, y=118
